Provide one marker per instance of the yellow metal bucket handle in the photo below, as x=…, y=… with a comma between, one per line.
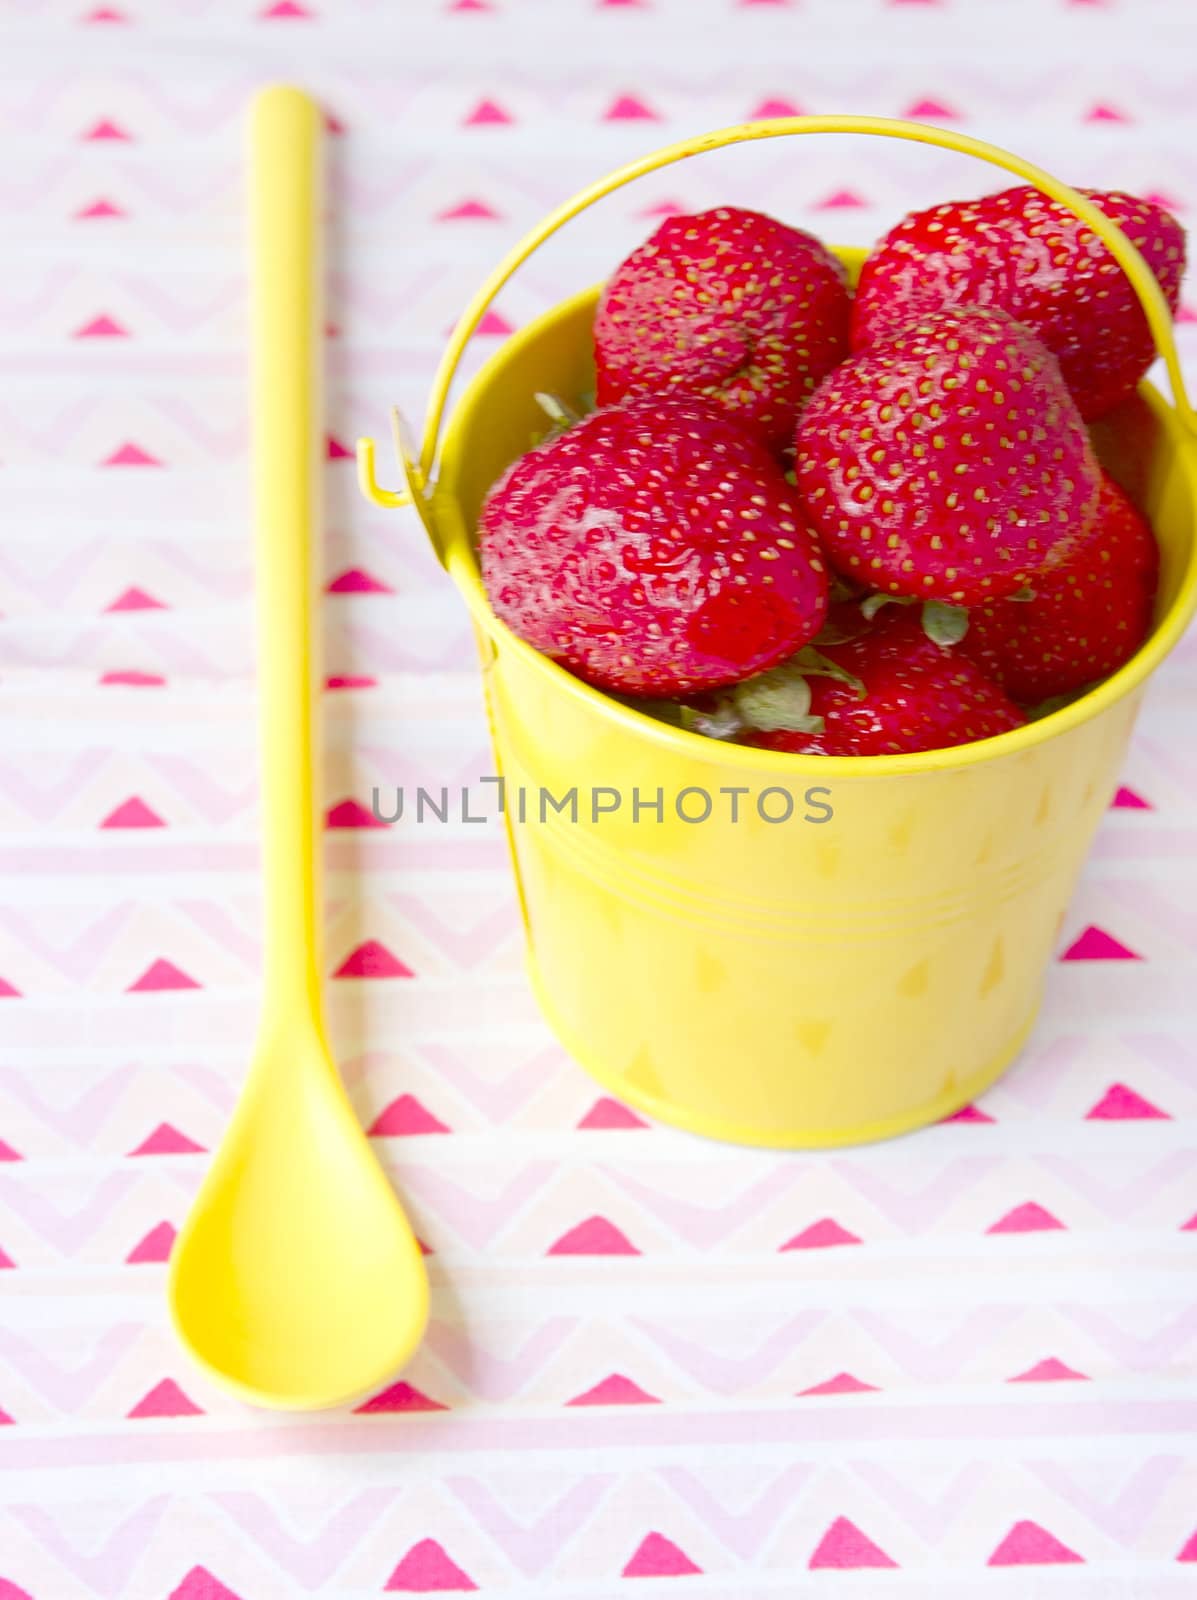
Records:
x=419, y=472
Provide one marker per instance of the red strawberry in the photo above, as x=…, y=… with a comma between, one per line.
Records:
x=654, y=548
x=1088, y=616
x=728, y=304
x=1029, y=256
x=947, y=461
x=918, y=695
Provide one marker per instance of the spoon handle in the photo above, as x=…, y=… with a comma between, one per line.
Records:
x=287, y=324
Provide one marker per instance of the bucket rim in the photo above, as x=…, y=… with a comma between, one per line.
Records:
x=460, y=561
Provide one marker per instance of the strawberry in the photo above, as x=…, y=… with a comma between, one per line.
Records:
x=947, y=461
x=1029, y=256
x=728, y=304
x=1086, y=617
x=895, y=691
x=653, y=548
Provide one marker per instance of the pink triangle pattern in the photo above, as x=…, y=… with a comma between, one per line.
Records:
x=135, y=599
x=1122, y=1104
x=1127, y=800
x=488, y=114
x=469, y=211
x=1030, y=1217
x=105, y=130
x=130, y=455
x=658, y=1557
x=471, y=5
x=1188, y=1551
x=403, y=1116
x=596, y=1236
x=132, y=813
x=609, y=1113
x=842, y=1383
x=166, y=1399
x=1105, y=113
x=774, y=108
x=372, y=960
x=286, y=11
x=134, y=680
x=6, y=1261
x=821, y=1235
x=397, y=1398
x=336, y=451
x=931, y=111
x=7, y=992
x=663, y=208
x=615, y=1390
x=841, y=200
x=494, y=326
x=161, y=975
x=199, y=1584
x=1094, y=944
x=351, y=814
x=166, y=1140
x=155, y=1248
x=102, y=327
x=7, y=1153
x=355, y=580
x=1029, y=1545
x=629, y=108
x=426, y=1569
x=6, y=1422
x=845, y=1548
x=96, y=210
x=1049, y=1370
x=969, y=1114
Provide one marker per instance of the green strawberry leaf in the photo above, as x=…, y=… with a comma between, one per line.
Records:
x=773, y=701
x=943, y=624
x=872, y=604
x=1056, y=702
x=724, y=722
x=669, y=711
x=836, y=633
x=816, y=665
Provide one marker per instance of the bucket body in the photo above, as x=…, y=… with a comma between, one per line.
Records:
x=858, y=966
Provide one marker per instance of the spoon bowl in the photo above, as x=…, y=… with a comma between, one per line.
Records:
x=297, y=1281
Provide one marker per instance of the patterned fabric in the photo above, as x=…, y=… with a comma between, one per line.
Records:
x=713, y=1371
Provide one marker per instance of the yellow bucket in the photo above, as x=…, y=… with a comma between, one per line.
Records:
x=850, y=962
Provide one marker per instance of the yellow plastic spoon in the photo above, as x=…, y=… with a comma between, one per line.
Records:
x=296, y=1280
